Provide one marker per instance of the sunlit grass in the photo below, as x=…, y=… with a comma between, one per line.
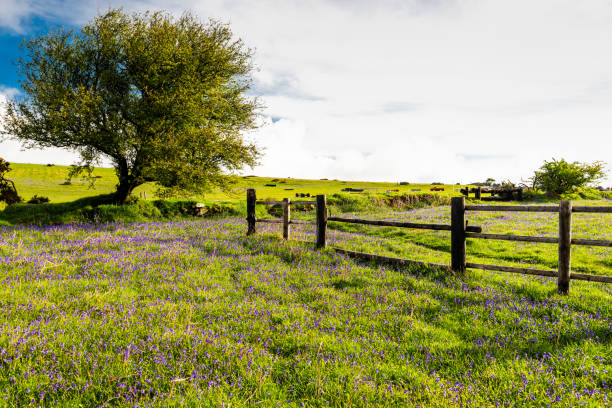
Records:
x=49, y=181
x=197, y=314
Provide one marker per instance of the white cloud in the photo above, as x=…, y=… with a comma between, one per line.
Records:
x=13, y=11
x=422, y=90
x=13, y=151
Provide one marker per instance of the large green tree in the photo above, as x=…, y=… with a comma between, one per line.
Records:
x=165, y=99
x=558, y=177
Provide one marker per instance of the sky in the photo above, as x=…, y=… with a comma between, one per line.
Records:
x=452, y=91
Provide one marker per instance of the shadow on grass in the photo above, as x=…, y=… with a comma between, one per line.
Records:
x=104, y=209
x=54, y=213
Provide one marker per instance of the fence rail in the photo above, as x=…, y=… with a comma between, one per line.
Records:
x=438, y=227
x=460, y=231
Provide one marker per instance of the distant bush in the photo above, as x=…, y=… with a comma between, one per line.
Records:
x=38, y=199
x=355, y=203
x=559, y=177
x=408, y=201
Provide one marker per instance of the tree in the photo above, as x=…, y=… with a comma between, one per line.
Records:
x=558, y=177
x=8, y=191
x=163, y=98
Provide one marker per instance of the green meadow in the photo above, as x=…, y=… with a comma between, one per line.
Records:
x=191, y=312
x=194, y=313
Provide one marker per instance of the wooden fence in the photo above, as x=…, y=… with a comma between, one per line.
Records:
x=460, y=231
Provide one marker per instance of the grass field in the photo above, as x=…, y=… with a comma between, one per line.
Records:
x=196, y=314
x=193, y=313
x=49, y=181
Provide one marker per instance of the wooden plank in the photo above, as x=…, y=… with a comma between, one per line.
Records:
x=382, y=223
x=591, y=242
x=458, y=234
x=540, y=272
x=591, y=278
x=301, y=222
x=270, y=220
x=387, y=259
x=546, y=240
x=593, y=209
x=303, y=203
x=503, y=237
x=269, y=202
x=513, y=269
x=565, y=246
x=286, y=218
x=251, y=200
x=321, y=221
x=525, y=208
x=473, y=228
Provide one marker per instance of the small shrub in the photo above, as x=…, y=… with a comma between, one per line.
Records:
x=38, y=199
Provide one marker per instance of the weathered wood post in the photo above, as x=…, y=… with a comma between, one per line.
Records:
x=251, y=199
x=321, y=221
x=458, y=234
x=478, y=193
x=565, y=246
x=286, y=218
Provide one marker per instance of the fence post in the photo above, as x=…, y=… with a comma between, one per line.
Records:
x=321, y=221
x=286, y=217
x=251, y=199
x=565, y=246
x=478, y=193
x=458, y=234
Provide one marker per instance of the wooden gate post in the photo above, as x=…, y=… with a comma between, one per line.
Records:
x=565, y=246
x=251, y=199
x=458, y=234
x=478, y=193
x=286, y=218
x=321, y=221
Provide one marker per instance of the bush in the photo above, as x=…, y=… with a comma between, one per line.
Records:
x=38, y=199
x=8, y=192
x=559, y=177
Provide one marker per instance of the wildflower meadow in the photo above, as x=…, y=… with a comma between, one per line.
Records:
x=194, y=313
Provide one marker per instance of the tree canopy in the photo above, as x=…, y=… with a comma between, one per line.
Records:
x=558, y=177
x=165, y=99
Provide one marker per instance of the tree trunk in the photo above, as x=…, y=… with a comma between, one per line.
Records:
x=124, y=189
